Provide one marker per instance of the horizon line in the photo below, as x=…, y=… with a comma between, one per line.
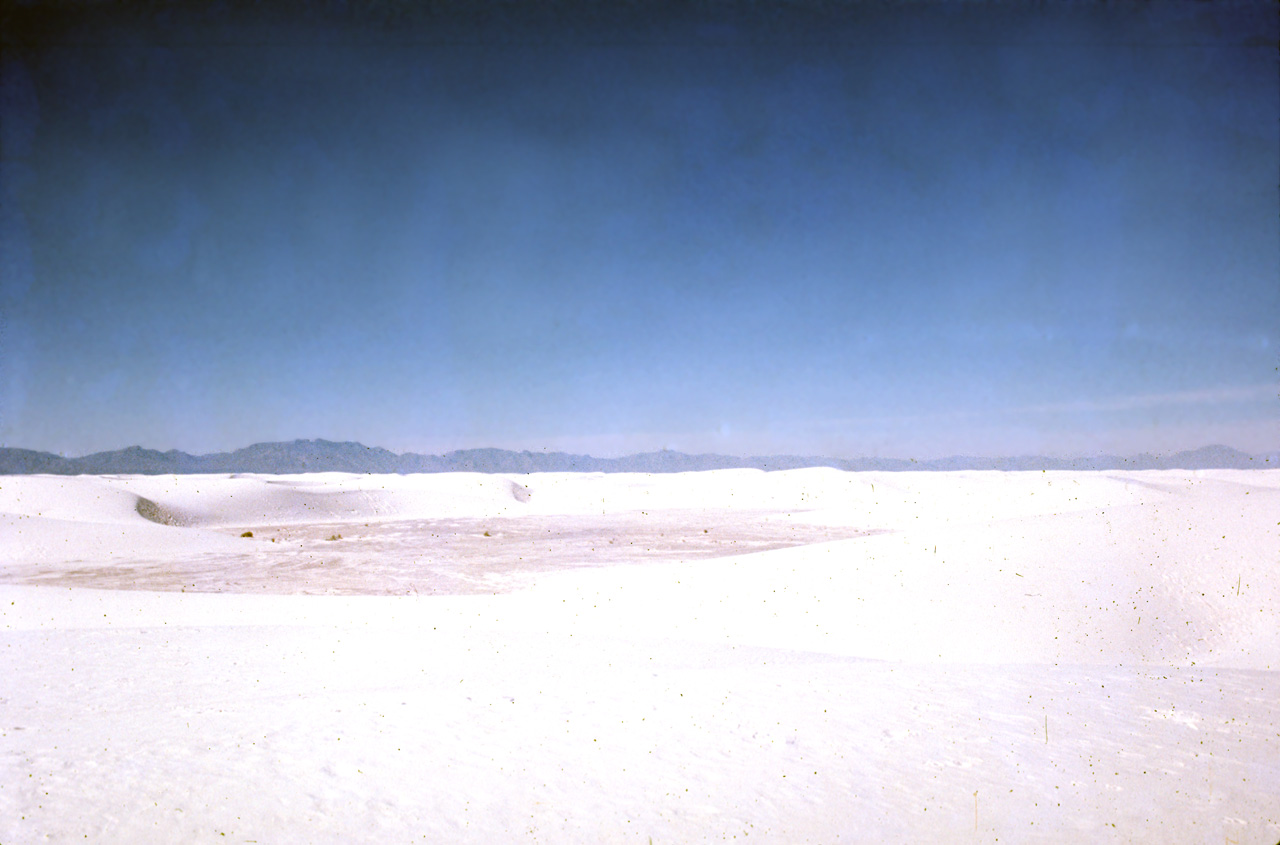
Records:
x=664, y=450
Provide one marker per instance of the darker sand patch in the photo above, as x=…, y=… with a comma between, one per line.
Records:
x=444, y=556
x=154, y=512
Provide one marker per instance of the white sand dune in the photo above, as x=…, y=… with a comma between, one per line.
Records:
x=801, y=656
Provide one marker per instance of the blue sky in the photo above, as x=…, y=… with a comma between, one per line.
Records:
x=928, y=230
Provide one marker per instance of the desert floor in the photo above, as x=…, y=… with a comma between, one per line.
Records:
x=800, y=656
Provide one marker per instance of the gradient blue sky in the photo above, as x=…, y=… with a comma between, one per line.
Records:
x=812, y=229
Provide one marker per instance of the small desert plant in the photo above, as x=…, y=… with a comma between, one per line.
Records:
x=334, y=537
x=247, y=534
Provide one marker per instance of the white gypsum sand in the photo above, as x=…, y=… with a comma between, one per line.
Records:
x=800, y=656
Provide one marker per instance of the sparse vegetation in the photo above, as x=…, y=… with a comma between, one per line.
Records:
x=334, y=537
x=247, y=534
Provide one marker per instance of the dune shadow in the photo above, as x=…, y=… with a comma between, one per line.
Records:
x=157, y=513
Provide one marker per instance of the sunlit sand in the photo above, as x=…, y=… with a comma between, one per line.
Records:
x=809, y=655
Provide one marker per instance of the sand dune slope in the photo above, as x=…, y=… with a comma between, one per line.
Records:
x=784, y=657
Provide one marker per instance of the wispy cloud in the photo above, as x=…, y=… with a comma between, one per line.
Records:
x=1213, y=396
x=1240, y=394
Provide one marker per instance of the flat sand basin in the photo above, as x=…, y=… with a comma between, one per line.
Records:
x=459, y=556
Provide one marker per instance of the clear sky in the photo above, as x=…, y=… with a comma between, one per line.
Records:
x=805, y=228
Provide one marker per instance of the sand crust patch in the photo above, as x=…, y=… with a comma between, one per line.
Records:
x=434, y=556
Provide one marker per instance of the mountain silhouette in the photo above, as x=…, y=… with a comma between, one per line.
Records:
x=303, y=456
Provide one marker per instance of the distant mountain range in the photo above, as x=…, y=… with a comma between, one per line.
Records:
x=300, y=456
